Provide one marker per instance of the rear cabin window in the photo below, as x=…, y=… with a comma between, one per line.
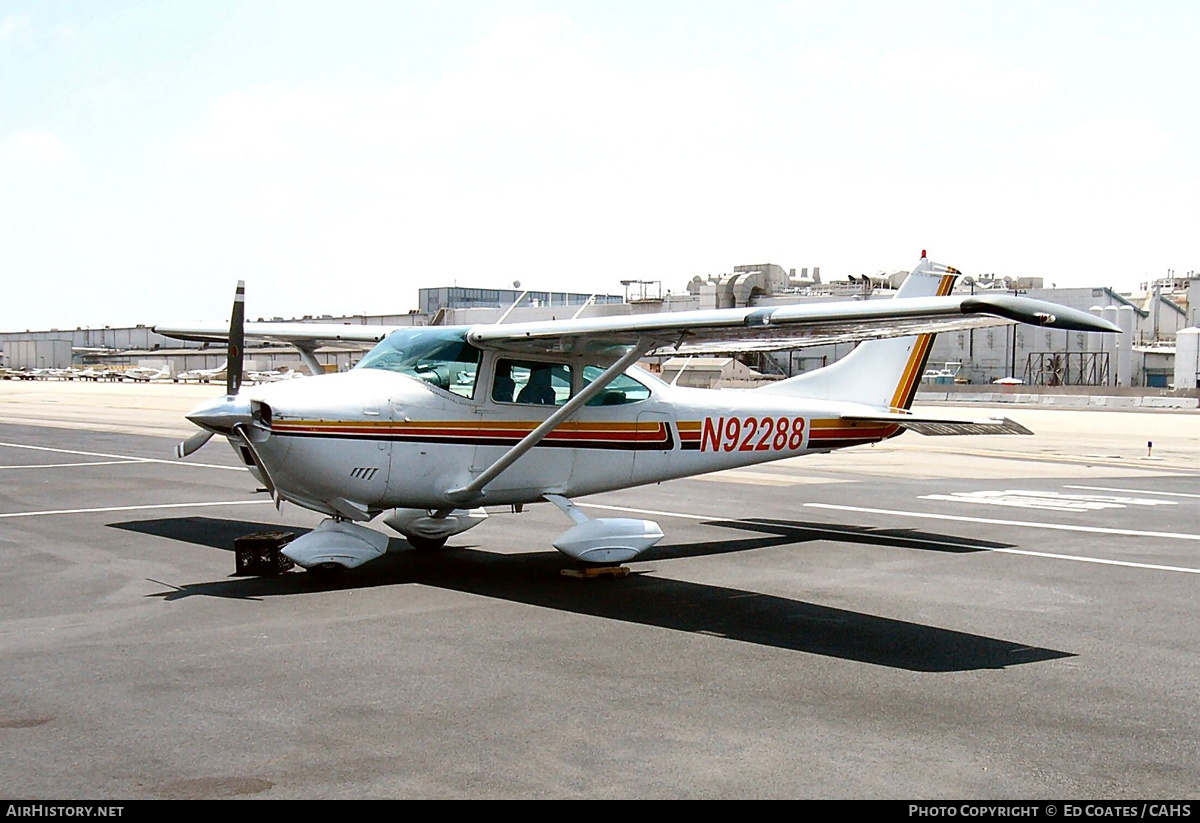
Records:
x=531, y=383
x=622, y=390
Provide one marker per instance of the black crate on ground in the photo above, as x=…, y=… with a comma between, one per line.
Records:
x=258, y=554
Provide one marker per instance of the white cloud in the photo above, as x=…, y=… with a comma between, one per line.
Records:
x=15, y=26
x=31, y=147
x=538, y=159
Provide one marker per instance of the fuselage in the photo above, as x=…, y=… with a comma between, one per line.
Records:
x=375, y=438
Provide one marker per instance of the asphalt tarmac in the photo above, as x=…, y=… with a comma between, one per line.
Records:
x=986, y=618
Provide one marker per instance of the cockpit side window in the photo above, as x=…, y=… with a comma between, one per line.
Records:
x=621, y=391
x=441, y=357
x=531, y=382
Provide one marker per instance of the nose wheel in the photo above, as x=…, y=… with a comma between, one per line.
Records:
x=327, y=571
x=425, y=544
x=335, y=545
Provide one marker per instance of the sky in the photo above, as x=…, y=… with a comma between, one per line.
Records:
x=339, y=156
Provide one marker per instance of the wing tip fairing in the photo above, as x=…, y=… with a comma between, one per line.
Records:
x=1036, y=313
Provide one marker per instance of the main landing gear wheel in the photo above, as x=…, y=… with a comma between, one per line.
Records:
x=425, y=544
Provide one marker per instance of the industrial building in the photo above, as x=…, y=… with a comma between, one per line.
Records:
x=1156, y=349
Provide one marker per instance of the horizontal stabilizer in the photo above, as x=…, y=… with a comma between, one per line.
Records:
x=940, y=427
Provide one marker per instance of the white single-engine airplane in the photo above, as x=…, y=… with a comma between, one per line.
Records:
x=435, y=422
x=201, y=375
x=282, y=373
x=142, y=374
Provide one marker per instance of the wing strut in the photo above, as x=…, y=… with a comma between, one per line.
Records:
x=308, y=353
x=473, y=491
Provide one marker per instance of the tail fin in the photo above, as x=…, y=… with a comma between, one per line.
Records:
x=879, y=373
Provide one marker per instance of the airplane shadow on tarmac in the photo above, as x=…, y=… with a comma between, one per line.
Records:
x=534, y=579
x=795, y=531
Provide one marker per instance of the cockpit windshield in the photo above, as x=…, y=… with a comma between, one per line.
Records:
x=441, y=356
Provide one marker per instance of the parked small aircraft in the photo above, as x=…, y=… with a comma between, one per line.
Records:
x=435, y=422
x=201, y=375
x=141, y=374
x=282, y=373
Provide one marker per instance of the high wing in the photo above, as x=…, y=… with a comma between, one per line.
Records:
x=780, y=327
x=698, y=332
x=307, y=334
x=305, y=337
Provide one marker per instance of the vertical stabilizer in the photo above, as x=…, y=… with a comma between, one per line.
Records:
x=880, y=373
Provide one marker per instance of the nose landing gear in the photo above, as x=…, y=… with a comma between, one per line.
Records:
x=336, y=543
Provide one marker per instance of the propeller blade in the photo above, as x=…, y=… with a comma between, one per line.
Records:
x=217, y=413
x=192, y=443
x=237, y=340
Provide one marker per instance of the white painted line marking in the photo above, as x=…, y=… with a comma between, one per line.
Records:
x=842, y=532
x=1126, y=563
x=1066, y=527
x=1133, y=491
x=1058, y=526
x=805, y=527
x=128, y=457
x=72, y=465
x=139, y=508
x=774, y=480
x=762, y=478
x=1024, y=499
x=649, y=511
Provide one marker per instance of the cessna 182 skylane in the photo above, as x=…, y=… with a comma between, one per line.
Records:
x=435, y=422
